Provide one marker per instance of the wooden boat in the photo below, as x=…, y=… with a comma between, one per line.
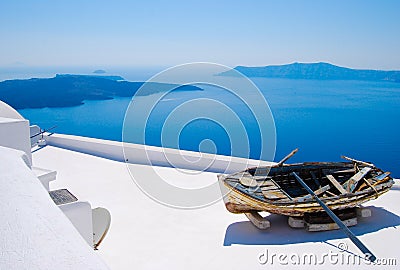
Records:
x=340, y=185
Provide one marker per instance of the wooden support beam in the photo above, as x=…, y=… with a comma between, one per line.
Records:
x=258, y=220
x=314, y=177
x=334, y=182
x=296, y=222
x=329, y=226
x=280, y=163
x=331, y=193
x=351, y=184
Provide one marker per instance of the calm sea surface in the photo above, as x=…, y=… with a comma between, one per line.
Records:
x=325, y=119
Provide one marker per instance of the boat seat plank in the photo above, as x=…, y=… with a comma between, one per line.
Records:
x=261, y=178
x=266, y=183
x=266, y=188
x=273, y=194
x=317, y=192
x=334, y=182
x=248, y=181
x=351, y=184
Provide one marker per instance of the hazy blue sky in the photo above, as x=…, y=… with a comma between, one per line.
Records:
x=361, y=34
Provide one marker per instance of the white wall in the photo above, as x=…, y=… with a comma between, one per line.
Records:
x=14, y=130
x=14, y=133
x=80, y=215
x=151, y=155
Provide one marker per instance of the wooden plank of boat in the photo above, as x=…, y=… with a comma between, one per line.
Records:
x=307, y=166
x=373, y=182
x=367, y=183
x=337, y=185
x=314, y=177
x=317, y=192
x=248, y=181
x=381, y=176
x=323, y=217
x=331, y=193
x=273, y=193
x=329, y=226
x=379, y=182
x=269, y=187
x=281, y=189
x=340, y=171
x=351, y=184
x=280, y=163
x=266, y=183
x=262, y=171
x=358, y=161
x=261, y=177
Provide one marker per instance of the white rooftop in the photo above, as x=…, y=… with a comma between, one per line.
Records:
x=147, y=235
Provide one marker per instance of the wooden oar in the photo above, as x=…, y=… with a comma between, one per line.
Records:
x=342, y=226
x=280, y=163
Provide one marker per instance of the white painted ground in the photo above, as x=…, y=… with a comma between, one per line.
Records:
x=147, y=235
x=34, y=233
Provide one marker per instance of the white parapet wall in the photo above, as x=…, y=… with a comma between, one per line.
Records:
x=14, y=130
x=34, y=232
x=14, y=133
x=151, y=155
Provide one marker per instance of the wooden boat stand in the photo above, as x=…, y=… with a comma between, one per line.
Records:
x=314, y=222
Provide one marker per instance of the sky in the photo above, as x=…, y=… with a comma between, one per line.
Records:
x=351, y=33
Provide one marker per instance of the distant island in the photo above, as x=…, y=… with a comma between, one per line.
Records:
x=66, y=90
x=316, y=71
x=99, y=71
x=109, y=77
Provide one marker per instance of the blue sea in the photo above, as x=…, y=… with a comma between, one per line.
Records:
x=324, y=119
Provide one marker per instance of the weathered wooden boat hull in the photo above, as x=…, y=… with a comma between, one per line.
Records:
x=239, y=203
x=240, y=199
